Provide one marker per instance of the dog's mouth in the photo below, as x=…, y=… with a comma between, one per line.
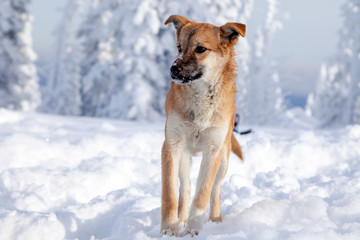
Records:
x=179, y=79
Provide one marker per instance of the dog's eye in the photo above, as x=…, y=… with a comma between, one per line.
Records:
x=179, y=48
x=200, y=49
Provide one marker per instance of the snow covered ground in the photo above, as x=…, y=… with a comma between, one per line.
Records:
x=82, y=178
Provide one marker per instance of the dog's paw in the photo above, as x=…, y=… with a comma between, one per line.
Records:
x=169, y=227
x=193, y=232
x=195, y=222
x=194, y=225
x=169, y=232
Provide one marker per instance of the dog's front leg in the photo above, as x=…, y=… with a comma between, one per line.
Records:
x=170, y=156
x=208, y=169
x=185, y=188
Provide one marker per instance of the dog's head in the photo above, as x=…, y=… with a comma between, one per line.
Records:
x=203, y=49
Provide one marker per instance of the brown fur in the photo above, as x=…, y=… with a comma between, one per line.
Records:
x=200, y=109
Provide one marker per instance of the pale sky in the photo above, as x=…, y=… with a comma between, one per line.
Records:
x=308, y=38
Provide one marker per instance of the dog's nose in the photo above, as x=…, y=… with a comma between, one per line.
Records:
x=175, y=70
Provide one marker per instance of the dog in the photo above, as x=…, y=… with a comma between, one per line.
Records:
x=200, y=112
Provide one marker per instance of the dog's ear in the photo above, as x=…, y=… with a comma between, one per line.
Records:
x=230, y=32
x=178, y=22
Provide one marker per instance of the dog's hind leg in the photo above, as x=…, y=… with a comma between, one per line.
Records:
x=185, y=188
x=215, y=215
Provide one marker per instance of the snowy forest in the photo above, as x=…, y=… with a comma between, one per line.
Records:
x=115, y=63
x=82, y=122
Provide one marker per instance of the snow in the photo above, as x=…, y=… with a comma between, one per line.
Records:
x=83, y=178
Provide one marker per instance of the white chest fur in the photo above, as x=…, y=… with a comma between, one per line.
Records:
x=201, y=125
x=202, y=105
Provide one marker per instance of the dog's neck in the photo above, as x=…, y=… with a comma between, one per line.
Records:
x=202, y=89
x=204, y=97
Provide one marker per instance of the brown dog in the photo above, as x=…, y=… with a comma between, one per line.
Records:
x=200, y=109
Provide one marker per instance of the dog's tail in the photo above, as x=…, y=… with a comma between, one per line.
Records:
x=235, y=147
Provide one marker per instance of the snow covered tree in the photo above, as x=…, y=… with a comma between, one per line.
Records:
x=336, y=100
x=140, y=89
x=19, y=87
x=262, y=97
x=328, y=101
x=351, y=44
x=62, y=93
x=121, y=78
x=96, y=65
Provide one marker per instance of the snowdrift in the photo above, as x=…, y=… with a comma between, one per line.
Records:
x=82, y=178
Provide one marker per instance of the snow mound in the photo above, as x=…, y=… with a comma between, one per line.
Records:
x=81, y=178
